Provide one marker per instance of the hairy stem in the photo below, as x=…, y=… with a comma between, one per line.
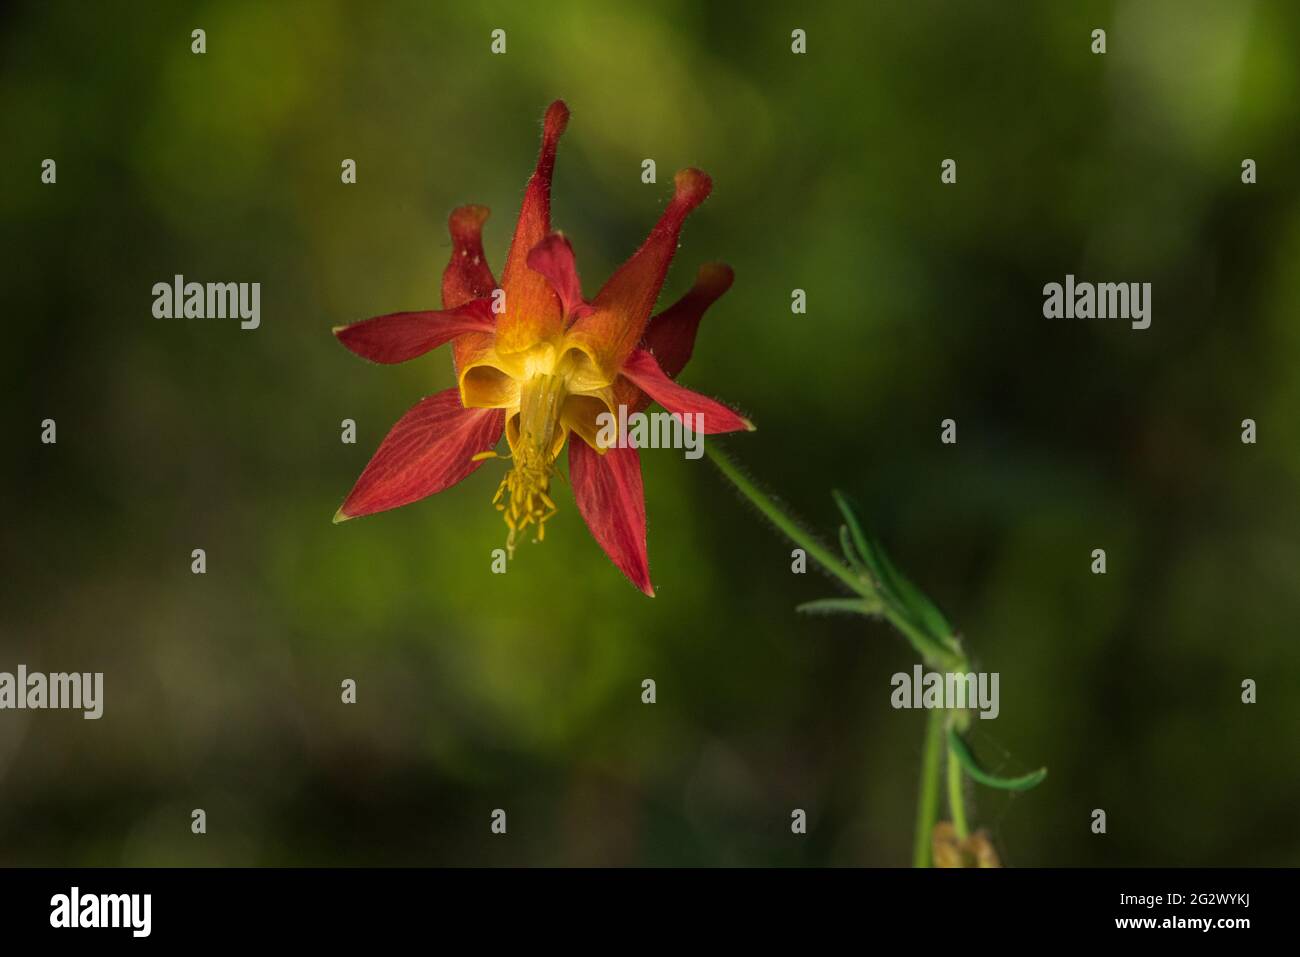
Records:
x=933, y=653
x=787, y=525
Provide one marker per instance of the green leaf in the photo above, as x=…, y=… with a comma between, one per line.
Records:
x=894, y=588
x=906, y=605
x=855, y=531
x=918, y=605
x=847, y=548
x=839, y=606
x=980, y=776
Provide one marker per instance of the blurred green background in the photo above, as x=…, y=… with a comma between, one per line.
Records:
x=522, y=691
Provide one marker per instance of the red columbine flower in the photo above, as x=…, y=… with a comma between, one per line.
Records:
x=549, y=364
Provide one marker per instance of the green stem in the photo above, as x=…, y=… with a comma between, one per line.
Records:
x=934, y=654
x=927, y=802
x=955, y=801
x=787, y=526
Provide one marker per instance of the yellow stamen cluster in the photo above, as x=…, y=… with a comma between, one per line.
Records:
x=523, y=497
x=527, y=490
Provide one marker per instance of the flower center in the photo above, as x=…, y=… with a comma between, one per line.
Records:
x=535, y=436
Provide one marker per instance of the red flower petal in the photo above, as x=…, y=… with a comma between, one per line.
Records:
x=645, y=373
x=611, y=499
x=429, y=449
x=670, y=335
x=532, y=311
x=623, y=305
x=553, y=258
x=405, y=335
x=467, y=275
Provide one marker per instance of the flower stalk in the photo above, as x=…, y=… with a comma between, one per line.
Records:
x=881, y=591
x=927, y=802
